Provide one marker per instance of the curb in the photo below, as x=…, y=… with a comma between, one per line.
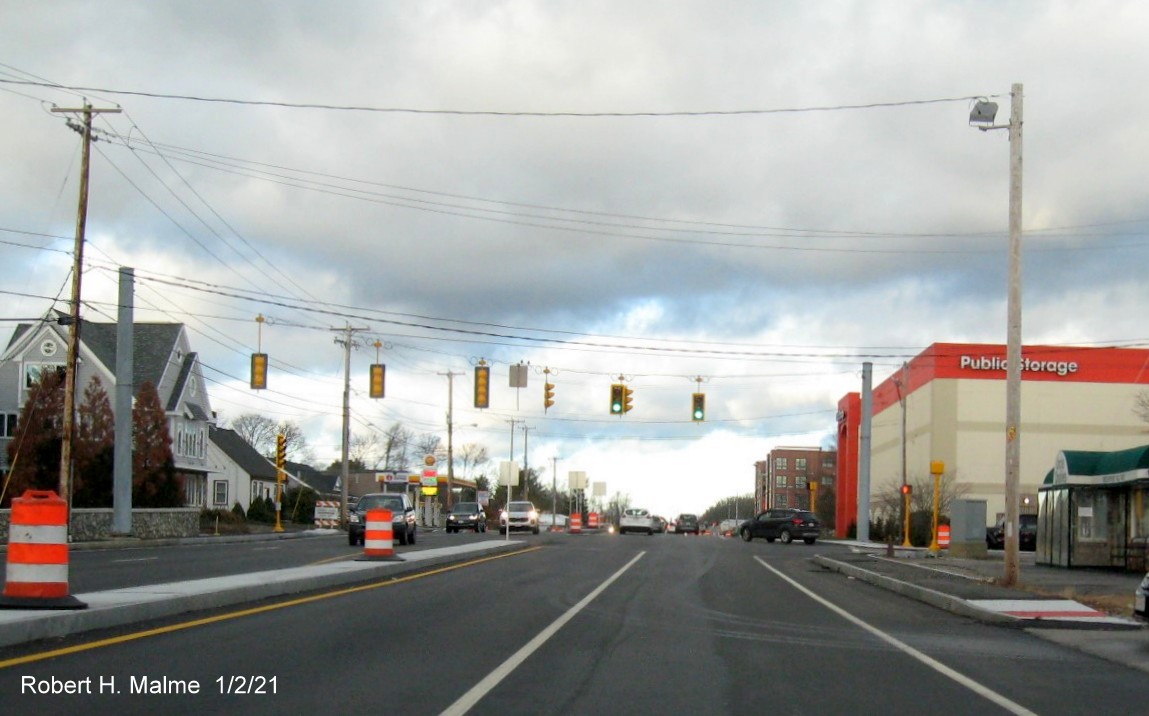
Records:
x=131, y=605
x=932, y=597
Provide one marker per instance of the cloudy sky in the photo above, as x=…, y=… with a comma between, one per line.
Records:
x=756, y=195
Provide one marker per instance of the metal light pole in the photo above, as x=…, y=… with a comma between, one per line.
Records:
x=982, y=116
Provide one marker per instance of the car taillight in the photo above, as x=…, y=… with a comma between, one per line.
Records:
x=797, y=520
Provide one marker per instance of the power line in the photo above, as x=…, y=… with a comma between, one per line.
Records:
x=499, y=113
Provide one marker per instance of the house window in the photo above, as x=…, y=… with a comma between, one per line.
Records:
x=800, y=481
x=779, y=463
x=782, y=500
x=219, y=492
x=8, y=425
x=800, y=464
x=779, y=480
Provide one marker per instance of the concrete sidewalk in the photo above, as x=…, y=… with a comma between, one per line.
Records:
x=136, y=604
x=1087, y=609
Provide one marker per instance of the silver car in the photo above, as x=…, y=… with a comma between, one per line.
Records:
x=636, y=519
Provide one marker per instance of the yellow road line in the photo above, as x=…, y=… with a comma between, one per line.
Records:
x=31, y=658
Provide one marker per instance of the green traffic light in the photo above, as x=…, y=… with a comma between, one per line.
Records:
x=698, y=415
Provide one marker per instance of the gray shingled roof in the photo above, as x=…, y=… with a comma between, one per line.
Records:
x=242, y=453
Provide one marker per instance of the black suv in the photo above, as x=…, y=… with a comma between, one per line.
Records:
x=466, y=516
x=402, y=517
x=1026, y=533
x=686, y=524
x=786, y=525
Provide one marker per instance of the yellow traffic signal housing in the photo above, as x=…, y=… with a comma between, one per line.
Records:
x=627, y=400
x=616, y=402
x=482, y=386
x=548, y=395
x=280, y=455
x=698, y=407
x=378, y=379
x=258, y=371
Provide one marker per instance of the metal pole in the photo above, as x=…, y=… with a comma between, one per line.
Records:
x=1013, y=343
x=122, y=449
x=864, y=452
x=526, y=467
x=904, y=390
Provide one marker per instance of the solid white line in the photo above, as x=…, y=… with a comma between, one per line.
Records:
x=135, y=559
x=468, y=700
x=934, y=664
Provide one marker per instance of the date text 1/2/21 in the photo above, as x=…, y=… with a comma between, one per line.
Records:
x=246, y=684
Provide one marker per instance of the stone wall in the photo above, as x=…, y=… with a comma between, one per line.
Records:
x=91, y=525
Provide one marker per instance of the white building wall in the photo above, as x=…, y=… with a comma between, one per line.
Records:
x=961, y=422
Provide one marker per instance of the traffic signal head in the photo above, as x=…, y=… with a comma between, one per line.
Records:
x=548, y=395
x=482, y=386
x=258, y=371
x=280, y=451
x=698, y=407
x=378, y=377
x=616, y=402
x=812, y=486
x=627, y=401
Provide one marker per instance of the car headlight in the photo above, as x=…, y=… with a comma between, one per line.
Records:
x=533, y=515
x=353, y=518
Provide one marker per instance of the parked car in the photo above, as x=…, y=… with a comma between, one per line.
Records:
x=403, y=526
x=686, y=524
x=1139, y=599
x=1026, y=533
x=519, y=516
x=636, y=519
x=785, y=525
x=466, y=516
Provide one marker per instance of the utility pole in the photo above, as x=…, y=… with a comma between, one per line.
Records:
x=513, y=423
x=526, y=467
x=450, y=434
x=555, y=492
x=69, y=422
x=1013, y=346
x=347, y=341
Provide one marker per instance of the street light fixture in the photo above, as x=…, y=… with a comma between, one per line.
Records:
x=982, y=117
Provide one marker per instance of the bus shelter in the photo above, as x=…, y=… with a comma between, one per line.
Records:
x=1093, y=510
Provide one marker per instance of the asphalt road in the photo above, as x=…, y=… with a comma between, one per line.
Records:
x=583, y=625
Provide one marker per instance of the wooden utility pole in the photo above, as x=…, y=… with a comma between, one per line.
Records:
x=69, y=423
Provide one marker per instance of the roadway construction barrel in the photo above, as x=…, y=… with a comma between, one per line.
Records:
x=944, y=536
x=592, y=521
x=576, y=523
x=378, y=542
x=37, y=572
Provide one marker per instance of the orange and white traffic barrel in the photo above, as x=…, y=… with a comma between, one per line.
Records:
x=943, y=536
x=592, y=521
x=576, y=523
x=37, y=571
x=378, y=540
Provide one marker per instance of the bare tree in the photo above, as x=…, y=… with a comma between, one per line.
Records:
x=431, y=444
x=397, y=447
x=1141, y=405
x=473, y=456
x=364, y=447
x=260, y=432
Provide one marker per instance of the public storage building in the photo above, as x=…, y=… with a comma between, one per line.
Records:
x=954, y=402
